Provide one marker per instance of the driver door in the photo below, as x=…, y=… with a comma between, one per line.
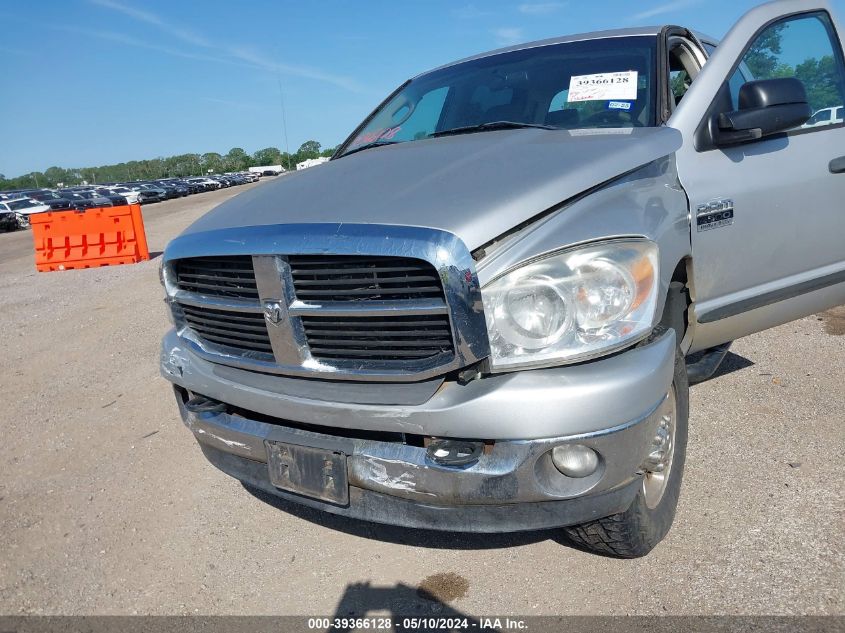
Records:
x=767, y=215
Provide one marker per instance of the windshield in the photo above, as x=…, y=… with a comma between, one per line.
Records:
x=599, y=83
x=16, y=205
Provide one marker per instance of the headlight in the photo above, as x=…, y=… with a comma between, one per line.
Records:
x=572, y=305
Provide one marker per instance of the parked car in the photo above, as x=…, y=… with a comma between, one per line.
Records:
x=497, y=341
x=190, y=187
x=13, y=213
x=208, y=183
x=146, y=196
x=161, y=191
x=117, y=199
x=25, y=206
x=51, y=198
x=9, y=220
x=179, y=188
x=119, y=190
x=826, y=116
x=169, y=190
x=80, y=202
x=146, y=192
x=96, y=199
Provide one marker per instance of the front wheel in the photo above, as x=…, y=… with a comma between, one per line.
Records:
x=637, y=530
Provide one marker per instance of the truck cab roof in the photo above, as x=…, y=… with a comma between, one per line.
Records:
x=644, y=31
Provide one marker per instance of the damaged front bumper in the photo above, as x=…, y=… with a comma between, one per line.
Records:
x=513, y=486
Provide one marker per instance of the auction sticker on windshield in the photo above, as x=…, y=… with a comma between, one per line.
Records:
x=603, y=87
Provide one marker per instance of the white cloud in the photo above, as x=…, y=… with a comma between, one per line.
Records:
x=150, y=18
x=540, y=8
x=660, y=9
x=506, y=36
x=247, y=56
x=120, y=38
x=256, y=59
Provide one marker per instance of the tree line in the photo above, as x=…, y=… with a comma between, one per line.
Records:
x=182, y=165
x=819, y=75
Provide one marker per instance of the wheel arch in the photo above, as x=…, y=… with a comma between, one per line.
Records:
x=676, y=307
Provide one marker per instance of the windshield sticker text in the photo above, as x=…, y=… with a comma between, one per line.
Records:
x=603, y=87
x=384, y=134
x=619, y=105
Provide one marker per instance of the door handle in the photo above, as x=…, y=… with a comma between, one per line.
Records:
x=837, y=165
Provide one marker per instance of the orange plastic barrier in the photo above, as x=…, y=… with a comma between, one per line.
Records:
x=86, y=239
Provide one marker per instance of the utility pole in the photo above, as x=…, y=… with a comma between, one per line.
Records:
x=284, y=120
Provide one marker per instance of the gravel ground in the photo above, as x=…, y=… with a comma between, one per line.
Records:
x=108, y=507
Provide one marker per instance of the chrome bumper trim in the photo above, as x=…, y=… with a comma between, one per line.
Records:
x=540, y=403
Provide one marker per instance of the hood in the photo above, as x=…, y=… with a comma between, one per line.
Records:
x=477, y=186
x=36, y=209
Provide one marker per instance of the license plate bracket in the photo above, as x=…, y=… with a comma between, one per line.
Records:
x=312, y=472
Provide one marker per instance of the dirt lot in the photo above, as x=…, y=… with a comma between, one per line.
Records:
x=108, y=507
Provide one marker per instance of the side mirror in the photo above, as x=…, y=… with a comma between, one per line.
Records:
x=766, y=106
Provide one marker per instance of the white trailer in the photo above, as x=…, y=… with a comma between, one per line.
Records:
x=311, y=162
x=262, y=168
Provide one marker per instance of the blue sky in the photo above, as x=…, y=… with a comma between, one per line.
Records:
x=93, y=82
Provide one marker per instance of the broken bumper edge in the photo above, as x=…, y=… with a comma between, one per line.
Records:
x=368, y=505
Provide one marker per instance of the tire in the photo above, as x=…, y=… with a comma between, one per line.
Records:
x=636, y=531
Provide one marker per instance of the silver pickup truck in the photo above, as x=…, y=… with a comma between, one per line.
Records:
x=478, y=315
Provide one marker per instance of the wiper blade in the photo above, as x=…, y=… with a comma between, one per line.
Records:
x=493, y=125
x=361, y=148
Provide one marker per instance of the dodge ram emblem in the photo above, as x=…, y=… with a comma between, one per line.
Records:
x=273, y=312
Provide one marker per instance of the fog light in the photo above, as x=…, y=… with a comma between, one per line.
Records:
x=575, y=460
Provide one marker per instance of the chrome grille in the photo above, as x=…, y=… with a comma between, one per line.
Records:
x=385, y=303
x=384, y=338
x=244, y=331
x=217, y=276
x=367, y=280
x=354, y=278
